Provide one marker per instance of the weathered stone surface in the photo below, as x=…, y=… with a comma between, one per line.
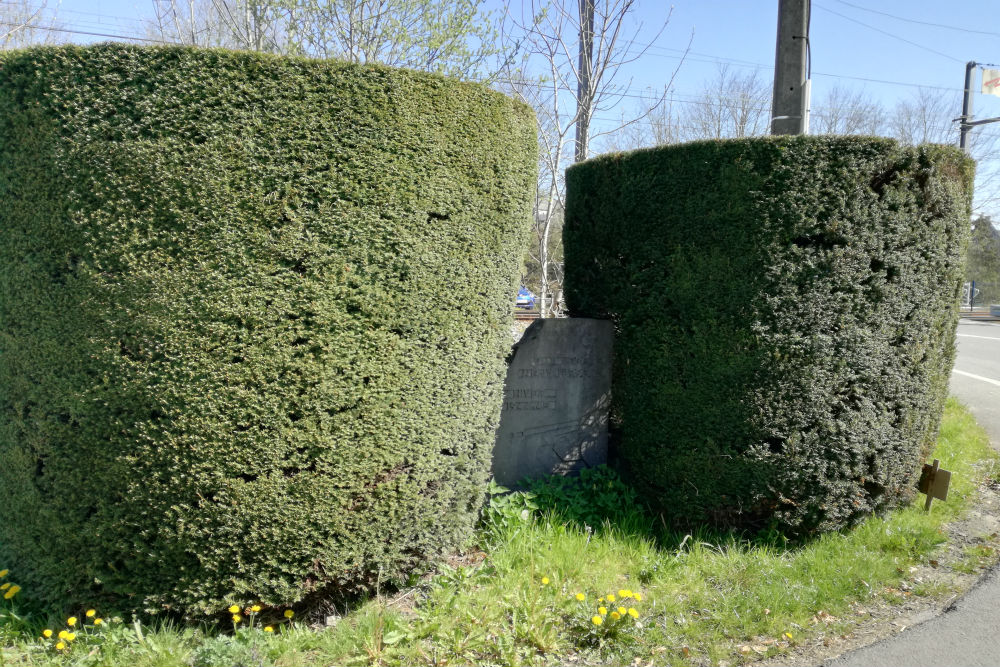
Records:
x=556, y=397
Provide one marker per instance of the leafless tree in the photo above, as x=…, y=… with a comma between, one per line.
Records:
x=655, y=127
x=925, y=118
x=252, y=25
x=567, y=88
x=733, y=105
x=26, y=23
x=846, y=111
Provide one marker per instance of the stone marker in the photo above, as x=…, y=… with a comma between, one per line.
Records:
x=554, y=418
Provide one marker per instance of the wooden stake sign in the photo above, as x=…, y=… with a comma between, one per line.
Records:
x=934, y=482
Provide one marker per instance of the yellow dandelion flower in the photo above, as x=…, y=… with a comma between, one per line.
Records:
x=71, y=621
x=600, y=599
x=637, y=596
x=11, y=592
x=615, y=616
x=46, y=633
x=70, y=636
x=597, y=620
x=5, y=586
x=622, y=593
x=603, y=611
x=581, y=597
x=633, y=612
x=268, y=628
x=98, y=621
x=62, y=634
x=4, y=573
x=91, y=613
x=611, y=597
x=289, y=613
x=788, y=634
x=237, y=618
x=234, y=609
x=255, y=608
x=545, y=581
x=622, y=611
x=60, y=646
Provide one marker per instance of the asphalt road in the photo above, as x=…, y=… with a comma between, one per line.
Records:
x=968, y=633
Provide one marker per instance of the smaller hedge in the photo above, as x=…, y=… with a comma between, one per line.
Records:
x=785, y=312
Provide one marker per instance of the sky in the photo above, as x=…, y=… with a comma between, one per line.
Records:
x=887, y=49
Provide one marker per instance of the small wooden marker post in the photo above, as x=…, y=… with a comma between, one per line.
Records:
x=934, y=482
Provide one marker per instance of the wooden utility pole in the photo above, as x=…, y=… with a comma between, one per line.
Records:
x=584, y=95
x=790, y=106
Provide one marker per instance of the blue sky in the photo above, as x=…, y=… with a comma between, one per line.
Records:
x=742, y=33
x=886, y=48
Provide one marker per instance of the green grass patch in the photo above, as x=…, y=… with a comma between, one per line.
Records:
x=695, y=596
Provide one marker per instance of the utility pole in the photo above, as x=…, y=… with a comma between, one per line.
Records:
x=965, y=120
x=584, y=95
x=790, y=103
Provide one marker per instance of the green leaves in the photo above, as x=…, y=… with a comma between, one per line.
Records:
x=785, y=310
x=231, y=358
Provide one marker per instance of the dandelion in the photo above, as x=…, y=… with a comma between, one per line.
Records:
x=597, y=620
x=545, y=581
x=5, y=586
x=60, y=646
x=615, y=616
x=70, y=636
x=600, y=599
x=234, y=609
x=637, y=597
x=91, y=613
x=624, y=593
x=98, y=621
x=289, y=613
x=4, y=573
x=46, y=633
x=71, y=621
x=255, y=609
x=581, y=597
x=789, y=635
x=11, y=592
x=611, y=597
x=62, y=634
x=622, y=611
x=633, y=612
x=237, y=618
x=603, y=611
x=268, y=628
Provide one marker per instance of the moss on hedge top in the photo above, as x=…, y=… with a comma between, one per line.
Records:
x=785, y=312
x=253, y=317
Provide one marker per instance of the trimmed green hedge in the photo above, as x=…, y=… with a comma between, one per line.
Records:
x=785, y=312
x=253, y=320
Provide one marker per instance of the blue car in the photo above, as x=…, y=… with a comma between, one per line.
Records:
x=525, y=299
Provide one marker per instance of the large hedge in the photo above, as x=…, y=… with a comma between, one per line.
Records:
x=253, y=319
x=785, y=312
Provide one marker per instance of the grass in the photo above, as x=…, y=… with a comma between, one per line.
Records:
x=702, y=598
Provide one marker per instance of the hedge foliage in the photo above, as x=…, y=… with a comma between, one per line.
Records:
x=253, y=319
x=785, y=314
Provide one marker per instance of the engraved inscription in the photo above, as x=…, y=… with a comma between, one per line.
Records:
x=555, y=401
x=553, y=372
x=520, y=398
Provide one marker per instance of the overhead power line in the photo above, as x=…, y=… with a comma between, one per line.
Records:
x=915, y=21
x=888, y=34
x=84, y=32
